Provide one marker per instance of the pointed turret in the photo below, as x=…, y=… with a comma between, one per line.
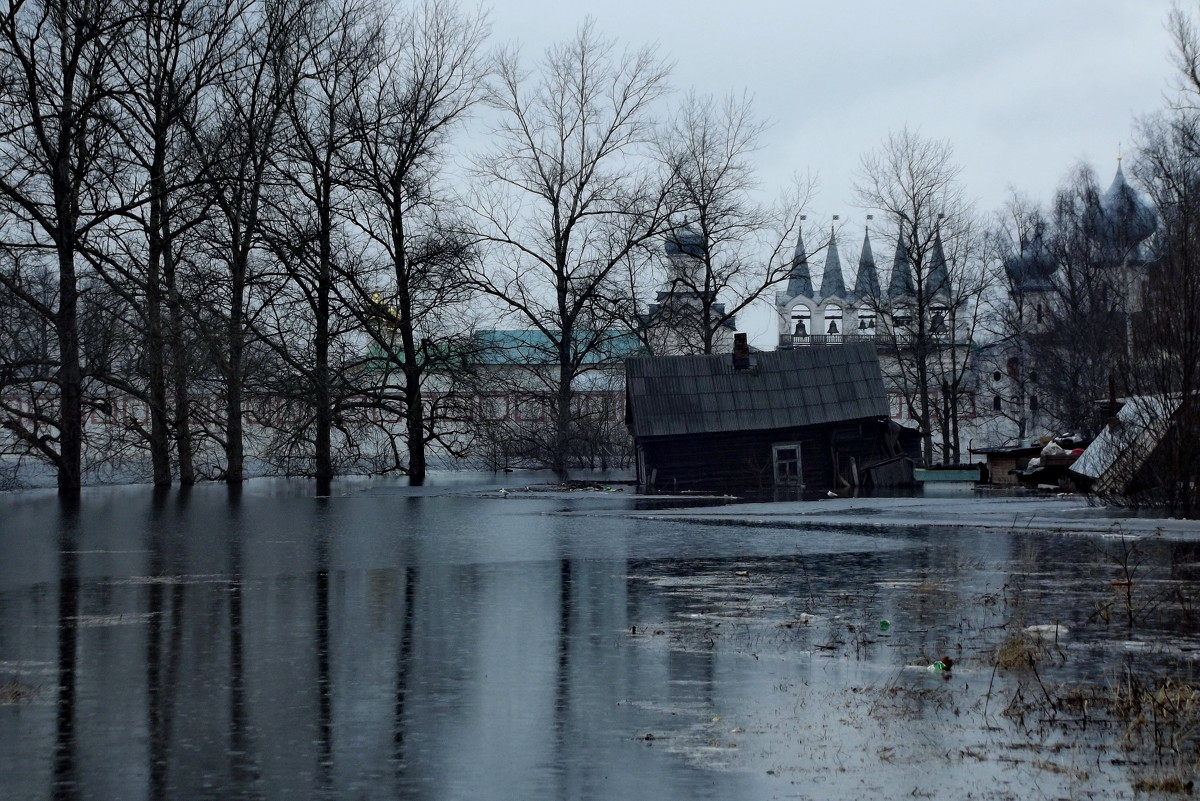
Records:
x=799, y=278
x=833, y=285
x=937, y=281
x=866, y=282
x=901, y=282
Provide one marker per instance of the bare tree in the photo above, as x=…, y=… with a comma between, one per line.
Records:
x=1080, y=322
x=1164, y=359
x=965, y=290
x=567, y=198
x=241, y=142
x=339, y=47
x=58, y=168
x=724, y=249
x=170, y=59
x=1017, y=247
x=914, y=182
x=405, y=117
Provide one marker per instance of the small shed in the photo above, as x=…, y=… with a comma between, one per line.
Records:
x=1004, y=461
x=815, y=417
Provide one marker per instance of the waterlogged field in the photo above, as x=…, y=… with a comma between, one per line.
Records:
x=1072, y=665
x=474, y=640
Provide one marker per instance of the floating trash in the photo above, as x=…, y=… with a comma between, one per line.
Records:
x=1047, y=630
x=941, y=666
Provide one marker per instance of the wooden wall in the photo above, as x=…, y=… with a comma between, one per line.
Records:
x=743, y=460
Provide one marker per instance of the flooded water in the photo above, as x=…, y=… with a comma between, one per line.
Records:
x=457, y=642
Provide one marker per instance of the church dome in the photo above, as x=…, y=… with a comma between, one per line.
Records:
x=1128, y=219
x=1033, y=269
x=685, y=242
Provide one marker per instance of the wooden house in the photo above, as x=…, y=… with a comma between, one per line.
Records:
x=815, y=417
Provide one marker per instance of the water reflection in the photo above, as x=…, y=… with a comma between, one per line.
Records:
x=444, y=644
x=66, y=780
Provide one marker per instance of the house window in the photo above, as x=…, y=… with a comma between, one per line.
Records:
x=997, y=404
x=1033, y=403
x=786, y=458
x=494, y=407
x=530, y=409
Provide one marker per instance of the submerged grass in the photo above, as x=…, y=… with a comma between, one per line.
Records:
x=15, y=691
x=1040, y=683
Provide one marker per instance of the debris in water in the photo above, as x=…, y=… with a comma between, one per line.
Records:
x=1048, y=630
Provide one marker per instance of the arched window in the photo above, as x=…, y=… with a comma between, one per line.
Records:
x=997, y=375
x=833, y=319
x=801, y=321
x=1033, y=403
x=997, y=404
x=937, y=320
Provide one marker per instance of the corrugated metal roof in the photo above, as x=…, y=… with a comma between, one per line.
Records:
x=673, y=395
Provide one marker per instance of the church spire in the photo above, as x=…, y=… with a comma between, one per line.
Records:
x=937, y=282
x=866, y=282
x=799, y=277
x=833, y=285
x=901, y=281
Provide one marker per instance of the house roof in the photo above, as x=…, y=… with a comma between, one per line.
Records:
x=1118, y=452
x=677, y=395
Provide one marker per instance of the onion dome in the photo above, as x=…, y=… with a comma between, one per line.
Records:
x=866, y=282
x=1033, y=269
x=685, y=242
x=1128, y=219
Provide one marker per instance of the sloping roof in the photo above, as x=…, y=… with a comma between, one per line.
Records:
x=674, y=395
x=1118, y=453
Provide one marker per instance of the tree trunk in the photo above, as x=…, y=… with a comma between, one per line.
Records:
x=179, y=372
x=234, y=446
x=414, y=418
x=160, y=446
x=562, y=416
x=322, y=395
x=70, y=374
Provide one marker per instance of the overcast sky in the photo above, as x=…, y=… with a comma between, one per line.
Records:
x=1023, y=90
